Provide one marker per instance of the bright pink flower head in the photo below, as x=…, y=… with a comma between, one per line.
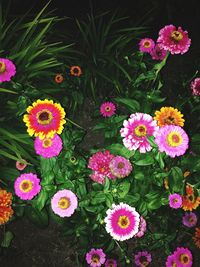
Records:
x=27, y=186
x=21, y=165
x=183, y=257
x=158, y=53
x=142, y=258
x=172, y=140
x=146, y=45
x=174, y=40
x=142, y=227
x=7, y=70
x=175, y=201
x=135, y=131
x=171, y=261
x=122, y=222
x=48, y=147
x=95, y=257
x=64, y=203
x=195, y=87
x=110, y=263
x=120, y=167
x=190, y=219
x=99, y=163
x=107, y=109
x=98, y=177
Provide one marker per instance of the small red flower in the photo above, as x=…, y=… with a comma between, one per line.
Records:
x=75, y=71
x=59, y=78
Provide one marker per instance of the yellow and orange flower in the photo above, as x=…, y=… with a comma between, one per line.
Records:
x=75, y=71
x=6, y=211
x=168, y=116
x=196, y=237
x=44, y=119
x=59, y=78
x=189, y=200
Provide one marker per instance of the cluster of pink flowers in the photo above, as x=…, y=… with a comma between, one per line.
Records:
x=181, y=257
x=170, y=39
x=195, y=87
x=97, y=257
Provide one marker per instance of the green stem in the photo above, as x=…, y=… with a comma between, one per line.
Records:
x=75, y=124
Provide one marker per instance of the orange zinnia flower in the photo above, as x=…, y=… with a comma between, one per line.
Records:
x=190, y=201
x=196, y=237
x=75, y=71
x=5, y=206
x=168, y=116
x=59, y=78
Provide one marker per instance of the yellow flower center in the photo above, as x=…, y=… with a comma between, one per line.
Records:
x=147, y=44
x=2, y=67
x=64, y=203
x=174, y=139
x=107, y=109
x=120, y=165
x=140, y=130
x=174, y=264
x=95, y=258
x=123, y=222
x=44, y=117
x=176, y=35
x=184, y=258
x=26, y=186
x=47, y=142
x=169, y=120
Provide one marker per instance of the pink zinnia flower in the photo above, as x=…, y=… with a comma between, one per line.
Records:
x=183, y=257
x=146, y=45
x=27, y=186
x=107, y=109
x=110, y=263
x=195, y=87
x=174, y=40
x=172, y=140
x=98, y=177
x=190, y=219
x=175, y=201
x=95, y=257
x=158, y=53
x=120, y=167
x=7, y=70
x=48, y=147
x=142, y=227
x=135, y=131
x=64, y=203
x=122, y=221
x=21, y=165
x=99, y=163
x=171, y=261
x=142, y=258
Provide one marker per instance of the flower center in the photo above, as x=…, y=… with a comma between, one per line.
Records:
x=44, y=117
x=95, y=258
x=47, y=142
x=72, y=159
x=123, y=221
x=108, y=109
x=174, y=264
x=140, y=130
x=143, y=261
x=191, y=220
x=2, y=67
x=176, y=36
x=26, y=186
x=147, y=44
x=175, y=200
x=184, y=258
x=110, y=263
x=169, y=120
x=191, y=198
x=64, y=203
x=174, y=139
x=120, y=165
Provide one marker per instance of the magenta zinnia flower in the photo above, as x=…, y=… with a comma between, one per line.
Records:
x=195, y=87
x=183, y=257
x=142, y=258
x=135, y=131
x=174, y=40
x=27, y=186
x=158, y=53
x=64, y=203
x=95, y=257
x=107, y=109
x=175, y=201
x=7, y=70
x=110, y=263
x=171, y=261
x=122, y=222
x=21, y=165
x=189, y=219
x=172, y=140
x=48, y=147
x=142, y=227
x=146, y=45
x=99, y=163
x=120, y=167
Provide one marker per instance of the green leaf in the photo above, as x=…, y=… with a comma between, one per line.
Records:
x=8, y=237
x=40, y=201
x=118, y=149
x=131, y=104
x=123, y=189
x=40, y=218
x=139, y=176
x=146, y=161
x=176, y=180
x=98, y=198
